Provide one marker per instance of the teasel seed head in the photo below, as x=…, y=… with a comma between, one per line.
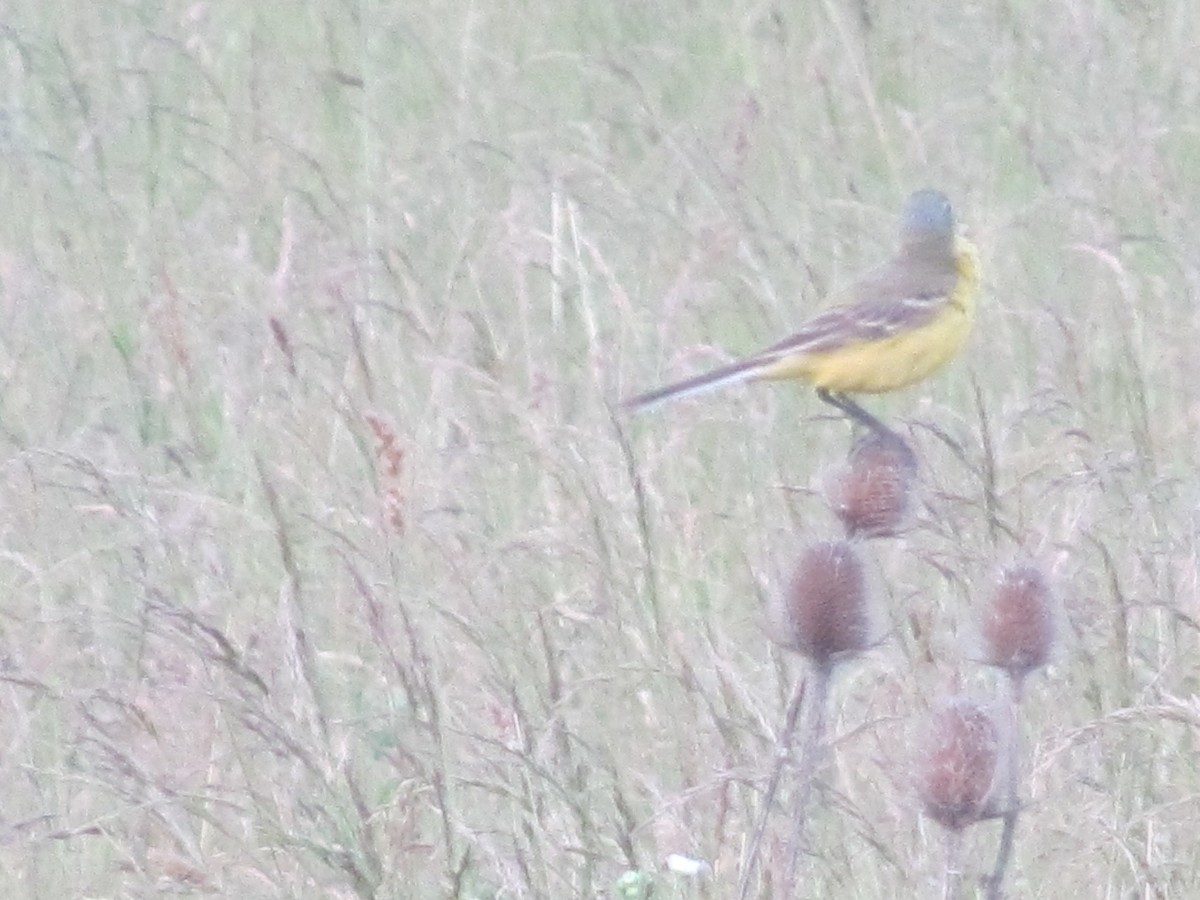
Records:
x=824, y=610
x=872, y=492
x=1019, y=627
x=959, y=763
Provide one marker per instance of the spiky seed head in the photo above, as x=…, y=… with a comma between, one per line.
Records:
x=1018, y=627
x=958, y=763
x=824, y=610
x=872, y=492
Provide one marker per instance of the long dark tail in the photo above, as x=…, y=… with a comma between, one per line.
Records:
x=734, y=373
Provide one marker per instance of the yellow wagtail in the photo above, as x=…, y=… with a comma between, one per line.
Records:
x=906, y=319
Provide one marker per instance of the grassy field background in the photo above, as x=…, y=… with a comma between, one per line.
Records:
x=328, y=570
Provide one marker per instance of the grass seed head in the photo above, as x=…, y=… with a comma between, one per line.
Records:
x=824, y=611
x=958, y=764
x=1018, y=627
x=872, y=492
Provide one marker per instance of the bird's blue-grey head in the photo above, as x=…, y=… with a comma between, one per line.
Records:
x=927, y=221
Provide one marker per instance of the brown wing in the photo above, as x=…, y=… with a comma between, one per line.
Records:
x=896, y=296
x=891, y=299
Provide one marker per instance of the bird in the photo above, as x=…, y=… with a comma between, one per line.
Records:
x=901, y=322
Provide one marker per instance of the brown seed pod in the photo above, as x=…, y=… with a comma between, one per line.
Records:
x=957, y=769
x=872, y=492
x=1018, y=627
x=824, y=611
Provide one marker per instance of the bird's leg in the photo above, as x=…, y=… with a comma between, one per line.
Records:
x=854, y=411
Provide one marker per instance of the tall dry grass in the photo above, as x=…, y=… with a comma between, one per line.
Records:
x=329, y=570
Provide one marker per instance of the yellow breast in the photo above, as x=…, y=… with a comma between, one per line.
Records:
x=874, y=367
